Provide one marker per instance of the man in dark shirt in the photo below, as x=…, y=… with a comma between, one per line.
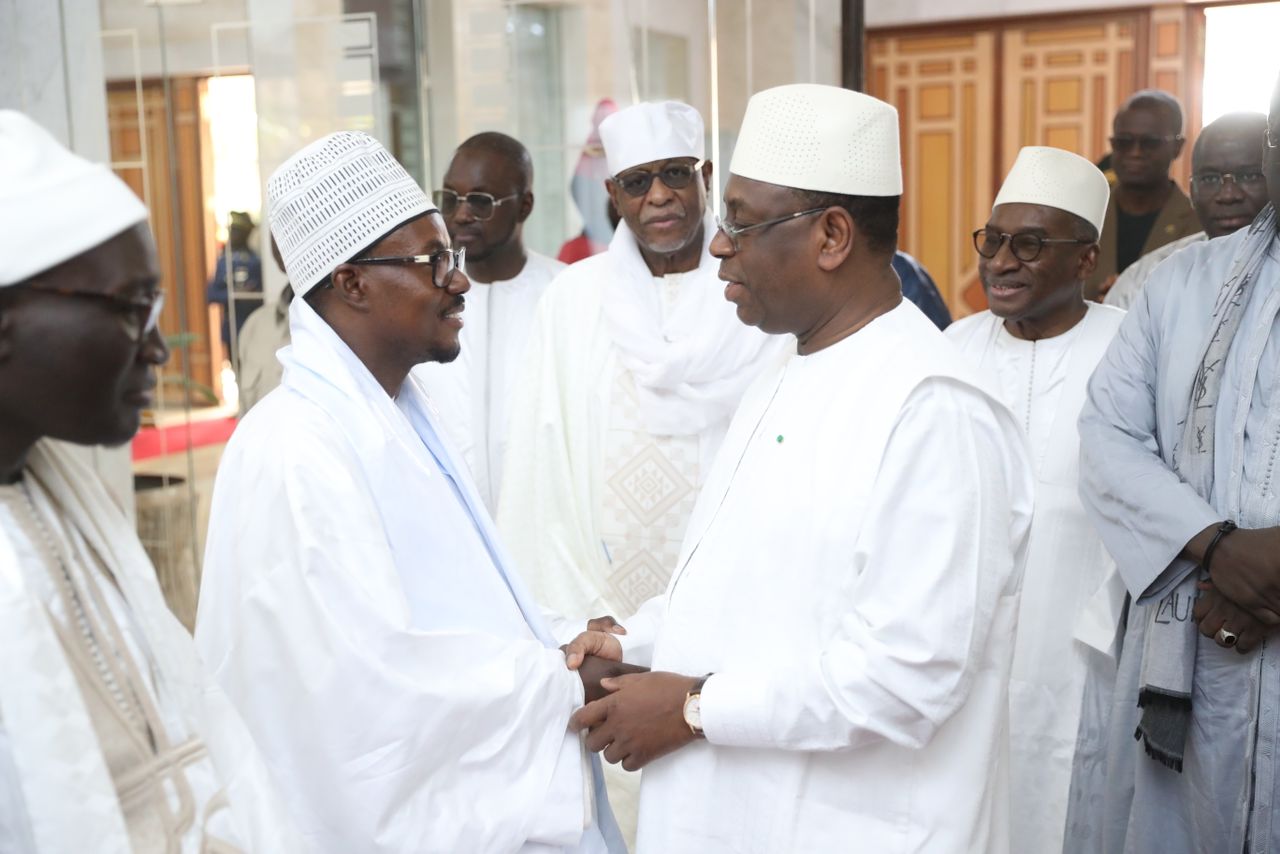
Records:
x=237, y=281
x=1147, y=210
x=918, y=286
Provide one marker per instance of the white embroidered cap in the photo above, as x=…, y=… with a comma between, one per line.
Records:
x=820, y=138
x=54, y=205
x=1057, y=179
x=339, y=195
x=648, y=132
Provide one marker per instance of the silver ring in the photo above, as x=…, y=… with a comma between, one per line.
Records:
x=1226, y=638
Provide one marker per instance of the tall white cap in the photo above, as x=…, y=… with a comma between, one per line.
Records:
x=820, y=138
x=54, y=205
x=648, y=132
x=339, y=195
x=1057, y=179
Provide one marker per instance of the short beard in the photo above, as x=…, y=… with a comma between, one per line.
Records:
x=445, y=355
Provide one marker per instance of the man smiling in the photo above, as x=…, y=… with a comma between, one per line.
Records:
x=1037, y=345
x=357, y=605
x=833, y=645
x=635, y=366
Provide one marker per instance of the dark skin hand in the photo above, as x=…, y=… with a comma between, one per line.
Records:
x=595, y=670
x=1212, y=611
x=1245, y=570
x=642, y=718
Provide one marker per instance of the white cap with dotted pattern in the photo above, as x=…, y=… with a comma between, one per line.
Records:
x=645, y=133
x=820, y=138
x=335, y=197
x=1057, y=179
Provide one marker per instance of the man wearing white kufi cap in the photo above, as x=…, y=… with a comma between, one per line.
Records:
x=635, y=365
x=1037, y=345
x=357, y=604
x=844, y=602
x=112, y=736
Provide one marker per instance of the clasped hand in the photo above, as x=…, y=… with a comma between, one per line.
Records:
x=632, y=715
x=1243, y=593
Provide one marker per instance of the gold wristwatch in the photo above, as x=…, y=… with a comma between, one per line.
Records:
x=693, y=707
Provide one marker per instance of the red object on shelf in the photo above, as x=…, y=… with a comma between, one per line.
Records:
x=162, y=441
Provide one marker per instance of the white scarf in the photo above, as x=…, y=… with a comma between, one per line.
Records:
x=691, y=367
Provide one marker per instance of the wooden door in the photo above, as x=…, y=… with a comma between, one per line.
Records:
x=944, y=89
x=142, y=153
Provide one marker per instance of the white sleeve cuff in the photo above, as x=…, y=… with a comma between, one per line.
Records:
x=734, y=710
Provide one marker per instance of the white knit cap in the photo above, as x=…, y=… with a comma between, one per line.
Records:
x=820, y=138
x=339, y=195
x=648, y=132
x=1057, y=179
x=54, y=205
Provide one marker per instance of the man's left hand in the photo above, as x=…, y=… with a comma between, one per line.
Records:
x=641, y=719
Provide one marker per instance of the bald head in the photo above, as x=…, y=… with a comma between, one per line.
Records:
x=502, y=147
x=1160, y=101
x=1246, y=129
x=486, y=197
x=1228, y=187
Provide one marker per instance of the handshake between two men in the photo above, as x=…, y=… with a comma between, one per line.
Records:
x=632, y=716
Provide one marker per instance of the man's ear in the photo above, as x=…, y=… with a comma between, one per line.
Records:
x=526, y=206
x=351, y=287
x=707, y=171
x=1088, y=262
x=837, y=231
x=1177, y=147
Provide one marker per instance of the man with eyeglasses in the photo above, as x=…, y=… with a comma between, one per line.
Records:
x=1179, y=438
x=1037, y=345
x=1228, y=189
x=112, y=735
x=486, y=198
x=1147, y=209
x=831, y=657
x=357, y=604
x=634, y=367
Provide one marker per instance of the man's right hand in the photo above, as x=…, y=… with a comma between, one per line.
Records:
x=600, y=644
x=1245, y=568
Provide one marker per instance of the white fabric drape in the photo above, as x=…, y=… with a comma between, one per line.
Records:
x=359, y=610
x=65, y=785
x=1072, y=595
x=850, y=576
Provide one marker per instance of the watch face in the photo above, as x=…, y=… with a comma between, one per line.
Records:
x=693, y=712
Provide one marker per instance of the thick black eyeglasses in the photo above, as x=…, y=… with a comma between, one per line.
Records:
x=675, y=175
x=139, y=315
x=1250, y=179
x=735, y=232
x=483, y=205
x=1025, y=245
x=1148, y=143
x=442, y=263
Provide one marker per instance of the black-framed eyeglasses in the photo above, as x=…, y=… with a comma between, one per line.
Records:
x=735, y=232
x=442, y=263
x=675, y=176
x=1245, y=179
x=1025, y=245
x=1147, y=142
x=139, y=316
x=483, y=205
